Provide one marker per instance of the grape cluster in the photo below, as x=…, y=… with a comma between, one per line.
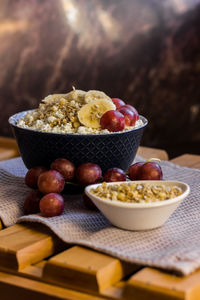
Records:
x=116, y=120
x=49, y=184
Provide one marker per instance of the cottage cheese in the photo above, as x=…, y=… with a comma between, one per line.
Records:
x=58, y=113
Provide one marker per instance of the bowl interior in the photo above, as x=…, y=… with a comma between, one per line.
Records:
x=13, y=120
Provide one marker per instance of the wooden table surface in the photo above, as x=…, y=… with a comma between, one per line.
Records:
x=35, y=264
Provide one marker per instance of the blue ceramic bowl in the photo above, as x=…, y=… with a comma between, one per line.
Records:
x=117, y=149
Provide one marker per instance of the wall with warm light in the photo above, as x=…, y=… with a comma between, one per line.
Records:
x=145, y=52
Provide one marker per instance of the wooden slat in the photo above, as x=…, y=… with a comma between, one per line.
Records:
x=82, y=268
x=115, y=291
x=8, y=148
x=152, y=153
x=33, y=271
x=18, y=288
x=22, y=245
x=154, y=284
x=188, y=160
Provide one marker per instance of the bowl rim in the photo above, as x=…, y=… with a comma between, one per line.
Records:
x=12, y=121
x=128, y=205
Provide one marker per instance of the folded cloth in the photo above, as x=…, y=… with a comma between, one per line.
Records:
x=175, y=246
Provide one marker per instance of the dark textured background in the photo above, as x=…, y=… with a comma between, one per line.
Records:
x=146, y=52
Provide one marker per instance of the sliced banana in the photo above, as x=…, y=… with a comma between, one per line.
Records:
x=90, y=114
x=51, y=99
x=95, y=95
x=77, y=95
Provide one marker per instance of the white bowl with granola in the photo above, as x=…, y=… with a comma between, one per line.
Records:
x=138, y=205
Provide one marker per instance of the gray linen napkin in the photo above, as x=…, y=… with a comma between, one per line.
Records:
x=175, y=246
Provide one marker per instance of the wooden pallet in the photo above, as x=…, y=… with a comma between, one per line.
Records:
x=35, y=264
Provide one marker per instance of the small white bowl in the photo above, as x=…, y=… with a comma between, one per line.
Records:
x=139, y=216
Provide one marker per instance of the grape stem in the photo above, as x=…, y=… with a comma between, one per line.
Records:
x=153, y=159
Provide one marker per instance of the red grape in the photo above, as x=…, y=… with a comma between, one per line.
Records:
x=65, y=167
x=88, y=173
x=32, y=175
x=118, y=102
x=112, y=120
x=150, y=171
x=32, y=201
x=133, y=109
x=129, y=116
x=88, y=202
x=134, y=170
x=114, y=174
x=51, y=182
x=51, y=205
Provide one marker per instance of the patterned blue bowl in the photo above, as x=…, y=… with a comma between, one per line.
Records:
x=117, y=149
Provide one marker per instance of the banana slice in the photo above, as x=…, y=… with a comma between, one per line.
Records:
x=77, y=95
x=51, y=99
x=95, y=95
x=90, y=114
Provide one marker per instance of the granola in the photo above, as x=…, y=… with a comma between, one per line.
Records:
x=136, y=193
